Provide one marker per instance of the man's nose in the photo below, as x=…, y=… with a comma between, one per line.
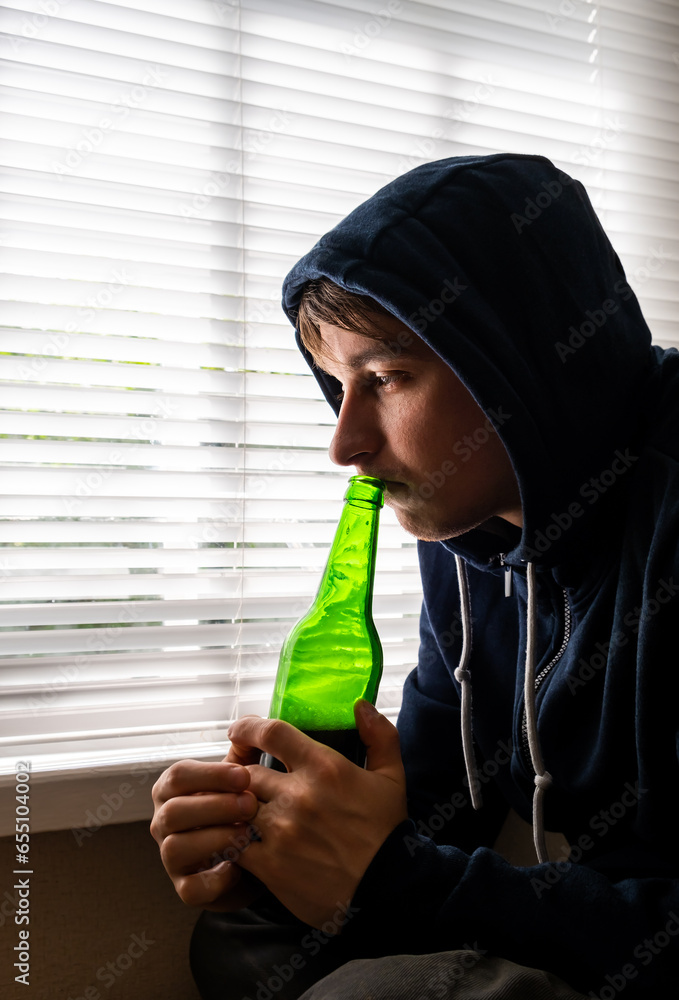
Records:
x=356, y=436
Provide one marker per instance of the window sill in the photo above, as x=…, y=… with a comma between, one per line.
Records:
x=83, y=797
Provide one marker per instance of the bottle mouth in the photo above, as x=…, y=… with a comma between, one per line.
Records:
x=365, y=489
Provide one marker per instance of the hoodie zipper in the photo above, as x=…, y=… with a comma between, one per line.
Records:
x=508, y=575
x=545, y=670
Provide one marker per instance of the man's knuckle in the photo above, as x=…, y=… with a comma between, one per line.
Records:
x=330, y=768
x=192, y=892
x=170, y=851
x=273, y=729
x=304, y=806
x=287, y=832
x=171, y=779
x=168, y=820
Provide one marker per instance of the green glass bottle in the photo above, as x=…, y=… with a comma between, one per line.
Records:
x=333, y=655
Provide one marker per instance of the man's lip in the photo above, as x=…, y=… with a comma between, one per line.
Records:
x=389, y=483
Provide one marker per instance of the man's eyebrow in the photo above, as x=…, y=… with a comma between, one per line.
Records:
x=381, y=350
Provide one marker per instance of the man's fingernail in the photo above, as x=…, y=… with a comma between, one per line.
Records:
x=367, y=709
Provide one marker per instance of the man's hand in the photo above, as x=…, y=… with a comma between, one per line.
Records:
x=201, y=823
x=320, y=825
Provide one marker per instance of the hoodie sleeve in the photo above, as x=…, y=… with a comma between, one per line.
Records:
x=417, y=897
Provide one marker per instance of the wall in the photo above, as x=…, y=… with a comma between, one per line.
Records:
x=105, y=921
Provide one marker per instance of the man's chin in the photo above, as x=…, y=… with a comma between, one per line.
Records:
x=414, y=520
x=417, y=518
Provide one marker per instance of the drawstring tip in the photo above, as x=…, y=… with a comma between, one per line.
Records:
x=542, y=783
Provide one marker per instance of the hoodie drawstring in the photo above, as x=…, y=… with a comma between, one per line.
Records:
x=543, y=778
x=464, y=678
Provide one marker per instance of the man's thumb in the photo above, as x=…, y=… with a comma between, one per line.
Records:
x=380, y=738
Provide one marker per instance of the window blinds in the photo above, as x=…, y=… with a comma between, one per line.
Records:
x=167, y=500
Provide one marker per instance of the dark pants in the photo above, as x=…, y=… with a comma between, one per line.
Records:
x=446, y=975
x=263, y=953
x=266, y=954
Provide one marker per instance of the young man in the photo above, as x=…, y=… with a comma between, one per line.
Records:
x=473, y=328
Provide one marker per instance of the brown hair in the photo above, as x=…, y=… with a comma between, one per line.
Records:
x=323, y=301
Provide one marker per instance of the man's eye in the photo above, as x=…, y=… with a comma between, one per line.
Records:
x=388, y=379
x=374, y=380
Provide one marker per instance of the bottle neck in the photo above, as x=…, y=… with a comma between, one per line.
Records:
x=350, y=569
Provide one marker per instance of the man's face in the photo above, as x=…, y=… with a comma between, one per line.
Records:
x=406, y=418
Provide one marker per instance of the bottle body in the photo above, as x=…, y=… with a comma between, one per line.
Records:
x=333, y=655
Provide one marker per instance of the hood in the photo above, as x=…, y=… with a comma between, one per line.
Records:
x=501, y=265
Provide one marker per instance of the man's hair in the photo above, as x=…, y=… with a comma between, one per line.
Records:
x=323, y=301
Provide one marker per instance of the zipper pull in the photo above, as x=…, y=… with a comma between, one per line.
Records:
x=508, y=576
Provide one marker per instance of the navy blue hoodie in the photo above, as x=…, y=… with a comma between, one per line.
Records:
x=500, y=264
